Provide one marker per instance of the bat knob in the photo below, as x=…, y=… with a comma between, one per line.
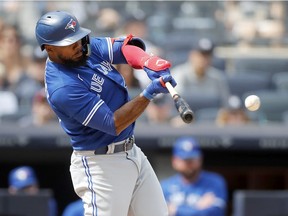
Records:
x=187, y=116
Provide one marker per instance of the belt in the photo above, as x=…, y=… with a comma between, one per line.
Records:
x=121, y=146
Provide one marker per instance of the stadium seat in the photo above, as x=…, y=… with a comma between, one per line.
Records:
x=260, y=203
x=25, y=204
x=261, y=65
x=200, y=101
x=206, y=114
x=285, y=117
x=280, y=80
x=240, y=83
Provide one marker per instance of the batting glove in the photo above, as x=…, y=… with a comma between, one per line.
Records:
x=156, y=74
x=157, y=86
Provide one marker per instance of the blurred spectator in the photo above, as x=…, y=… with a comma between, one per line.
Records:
x=234, y=114
x=36, y=67
x=1, y=23
x=9, y=104
x=41, y=114
x=107, y=22
x=193, y=191
x=16, y=79
x=74, y=209
x=160, y=110
x=2, y=75
x=22, y=14
x=139, y=28
x=254, y=23
x=136, y=27
x=23, y=179
x=131, y=80
x=129, y=76
x=197, y=76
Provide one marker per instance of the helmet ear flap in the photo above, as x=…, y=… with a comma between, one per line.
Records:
x=86, y=45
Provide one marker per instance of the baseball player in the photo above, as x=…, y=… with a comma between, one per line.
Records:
x=109, y=172
x=193, y=191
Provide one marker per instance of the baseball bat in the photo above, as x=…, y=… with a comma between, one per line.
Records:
x=181, y=105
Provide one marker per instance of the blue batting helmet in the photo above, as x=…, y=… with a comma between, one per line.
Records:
x=22, y=177
x=59, y=28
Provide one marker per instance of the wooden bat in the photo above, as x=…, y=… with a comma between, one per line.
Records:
x=181, y=105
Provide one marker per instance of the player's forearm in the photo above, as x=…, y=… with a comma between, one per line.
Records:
x=129, y=112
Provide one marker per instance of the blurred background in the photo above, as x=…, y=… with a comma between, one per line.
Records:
x=249, y=51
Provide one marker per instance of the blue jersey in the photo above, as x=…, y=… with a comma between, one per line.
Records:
x=84, y=98
x=186, y=196
x=74, y=209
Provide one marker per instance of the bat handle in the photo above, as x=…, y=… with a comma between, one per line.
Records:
x=171, y=90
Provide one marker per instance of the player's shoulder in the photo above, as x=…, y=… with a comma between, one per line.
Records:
x=174, y=179
x=74, y=208
x=180, y=67
x=100, y=41
x=101, y=47
x=212, y=176
x=216, y=73
x=57, y=76
x=181, y=70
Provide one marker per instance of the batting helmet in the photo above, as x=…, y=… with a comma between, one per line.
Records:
x=59, y=28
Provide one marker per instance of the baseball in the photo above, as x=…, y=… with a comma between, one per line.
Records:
x=252, y=102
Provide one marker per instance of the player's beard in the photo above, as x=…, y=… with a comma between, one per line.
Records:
x=74, y=63
x=191, y=175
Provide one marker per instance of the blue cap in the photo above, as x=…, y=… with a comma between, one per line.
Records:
x=187, y=148
x=204, y=45
x=22, y=177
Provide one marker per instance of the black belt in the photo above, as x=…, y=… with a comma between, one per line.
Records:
x=121, y=146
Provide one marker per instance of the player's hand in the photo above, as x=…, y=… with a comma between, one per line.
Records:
x=156, y=74
x=157, y=86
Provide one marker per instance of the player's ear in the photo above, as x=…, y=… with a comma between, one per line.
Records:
x=48, y=48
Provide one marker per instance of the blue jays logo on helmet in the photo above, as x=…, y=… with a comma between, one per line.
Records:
x=71, y=25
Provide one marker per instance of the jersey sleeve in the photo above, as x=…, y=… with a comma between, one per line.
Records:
x=119, y=58
x=84, y=107
x=109, y=49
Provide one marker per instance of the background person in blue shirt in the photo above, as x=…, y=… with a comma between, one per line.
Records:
x=74, y=208
x=23, y=180
x=193, y=191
